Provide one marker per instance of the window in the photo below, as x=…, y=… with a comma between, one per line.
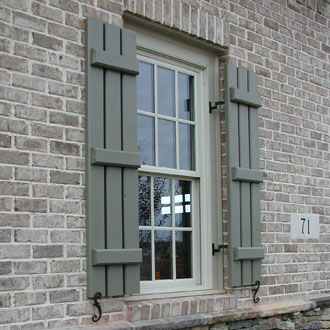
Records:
x=178, y=214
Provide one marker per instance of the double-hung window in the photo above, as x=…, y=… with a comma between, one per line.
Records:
x=178, y=218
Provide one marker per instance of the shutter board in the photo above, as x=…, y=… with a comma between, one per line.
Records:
x=110, y=259
x=95, y=174
x=130, y=182
x=113, y=124
x=244, y=177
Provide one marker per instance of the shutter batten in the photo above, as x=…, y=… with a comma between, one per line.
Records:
x=112, y=238
x=244, y=176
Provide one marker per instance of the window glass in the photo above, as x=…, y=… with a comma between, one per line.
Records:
x=146, y=139
x=166, y=235
x=186, y=146
x=183, y=254
x=162, y=201
x=166, y=93
x=163, y=255
x=185, y=96
x=182, y=200
x=145, y=87
x=145, y=245
x=144, y=200
x=166, y=143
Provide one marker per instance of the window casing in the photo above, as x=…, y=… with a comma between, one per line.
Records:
x=165, y=183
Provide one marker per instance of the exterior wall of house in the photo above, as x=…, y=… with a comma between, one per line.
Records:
x=42, y=179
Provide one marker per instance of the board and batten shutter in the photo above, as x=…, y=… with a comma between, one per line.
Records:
x=244, y=177
x=113, y=254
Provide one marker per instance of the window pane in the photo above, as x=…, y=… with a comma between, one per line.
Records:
x=145, y=87
x=145, y=245
x=182, y=202
x=144, y=201
x=183, y=254
x=166, y=143
x=186, y=96
x=166, y=98
x=163, y=255
x=146, y=139
x=162, y=201
x=187, y=146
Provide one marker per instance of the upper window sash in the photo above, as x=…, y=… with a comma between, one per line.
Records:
x=169, y=125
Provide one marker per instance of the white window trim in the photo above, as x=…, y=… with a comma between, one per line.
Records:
x=205, y=64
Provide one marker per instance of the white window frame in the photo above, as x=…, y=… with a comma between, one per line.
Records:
x=204, y=64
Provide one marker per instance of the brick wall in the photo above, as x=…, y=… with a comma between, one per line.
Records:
x=42, y=208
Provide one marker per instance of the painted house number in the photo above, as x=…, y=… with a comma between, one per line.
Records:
x=305, y=226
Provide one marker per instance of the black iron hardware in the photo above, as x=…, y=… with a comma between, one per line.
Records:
x=213, y=107
x=255, y=298
x=95, y=317
x=214, y=250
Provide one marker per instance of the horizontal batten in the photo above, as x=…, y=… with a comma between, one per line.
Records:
x=248, y=98
x=246, y=253
x=114, y=158
x=120, y=63
x=247, y=175
x=116, y=257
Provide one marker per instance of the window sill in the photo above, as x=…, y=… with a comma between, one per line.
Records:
x=172, y=295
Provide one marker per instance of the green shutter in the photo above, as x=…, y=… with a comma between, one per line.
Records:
x=244, y=178
x=113, y=253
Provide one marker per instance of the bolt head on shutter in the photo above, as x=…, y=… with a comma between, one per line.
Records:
x=244, y=177
x=113, y=254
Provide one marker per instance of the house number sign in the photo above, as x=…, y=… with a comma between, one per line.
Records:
x=305, y=226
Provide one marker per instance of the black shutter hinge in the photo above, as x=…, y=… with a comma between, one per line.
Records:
x=255, y=298
x=213, y=107
x=214, y=250
x=95, y=317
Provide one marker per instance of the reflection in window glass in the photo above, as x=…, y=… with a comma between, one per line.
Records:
x=163, y=255
x=144, y=200
x=145, y=87
x=162, y=202
x=186, y=147
x=183, y=254
x=182, y=209
x=145, y=245
x=185, y=96
x=166, y=143
x=166, y=94
x=146, y=140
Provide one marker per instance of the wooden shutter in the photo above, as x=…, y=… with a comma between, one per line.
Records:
x=244, y=178
x=113, y=253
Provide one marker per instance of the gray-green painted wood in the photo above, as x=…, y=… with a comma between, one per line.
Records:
x=95, y=174
x=114, y=191
x=115, y=158
x=247, y=175
x=244, y=161
x=244, y=177
x=232, y=150
x=255, y=188
x=112, y=229
x=116, y=257
x=244, y=97
x=119, y=63
x=130, y=182
x=248, y=254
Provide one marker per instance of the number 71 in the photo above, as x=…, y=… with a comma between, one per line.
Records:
x=303, y=226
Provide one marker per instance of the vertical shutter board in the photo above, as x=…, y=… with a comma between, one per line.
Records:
x=95, y=138
x=130, y=176
x=233, y=187
x=114, y=231
x=255, y=188
x=244, y=155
